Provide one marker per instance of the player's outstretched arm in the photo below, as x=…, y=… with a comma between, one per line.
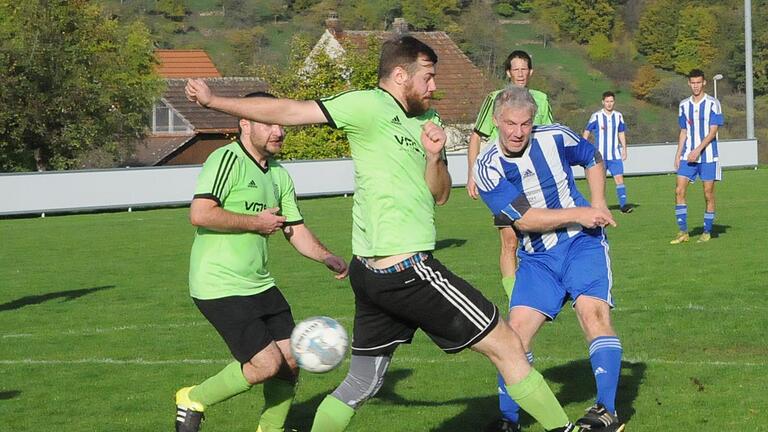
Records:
x=305, y=242
x=286, y=112
x=208, y=214
x=438, y=179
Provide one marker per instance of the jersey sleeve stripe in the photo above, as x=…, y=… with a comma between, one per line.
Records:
x=225, y=167
x=327, y=114
x=291, y=223
x=208, y=196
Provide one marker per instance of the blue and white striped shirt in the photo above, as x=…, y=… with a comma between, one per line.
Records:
x=696, y=119
x=540, y=178
x=606, y=128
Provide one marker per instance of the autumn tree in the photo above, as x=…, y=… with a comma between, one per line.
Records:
x=71, y=82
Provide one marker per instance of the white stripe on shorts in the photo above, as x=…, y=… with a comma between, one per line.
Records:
x=453, y=295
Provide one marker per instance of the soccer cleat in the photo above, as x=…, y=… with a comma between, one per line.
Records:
x=704, y=237
x=502, y=425
x=189, y=414
x=681, y=237
x=598, y=418
x=626, y=209
x=570, y=427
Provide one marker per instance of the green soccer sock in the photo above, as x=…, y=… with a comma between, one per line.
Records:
x=278, y=396
x=222, y=386
x=536, y=398
x=332, y=415
x=508, y=283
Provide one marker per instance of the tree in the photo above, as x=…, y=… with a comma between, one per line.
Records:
x=645, y=81
x=430, y=14
x=483, y=43
x=696, y=39
x=323, y=76
x=657, y=32
x=71, y=81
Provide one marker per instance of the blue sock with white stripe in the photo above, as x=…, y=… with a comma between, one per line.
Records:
x=709, y=220
x=510, y=410
x=681, y=214
x=621, y=194
x=605, y=356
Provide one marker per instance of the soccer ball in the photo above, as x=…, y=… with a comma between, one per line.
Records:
x=319, y=344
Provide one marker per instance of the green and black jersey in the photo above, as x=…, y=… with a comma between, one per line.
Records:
x=484, y=124
x=393, y=210
x=235, y=264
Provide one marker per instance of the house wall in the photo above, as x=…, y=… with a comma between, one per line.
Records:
x=198, y=152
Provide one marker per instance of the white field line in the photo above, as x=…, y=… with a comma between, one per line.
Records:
x=95, y=331
x=396, y=360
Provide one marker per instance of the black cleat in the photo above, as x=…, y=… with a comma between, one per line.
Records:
x=598, y=418
x=189, y=414
x=626, y=209
x=502, y=425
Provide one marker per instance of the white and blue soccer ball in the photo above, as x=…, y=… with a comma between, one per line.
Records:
x=319, y=344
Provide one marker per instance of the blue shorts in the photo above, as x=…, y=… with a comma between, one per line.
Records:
x=615, y=167
x=546, y=280
x=706, y=171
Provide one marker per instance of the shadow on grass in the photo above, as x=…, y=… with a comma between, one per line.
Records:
x=578, y=387
x=5, y=395
x=716, y=230
x=576, y=377
x=37, y=299
x=449, y=243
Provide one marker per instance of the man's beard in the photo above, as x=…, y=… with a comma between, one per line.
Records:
x=416, y=105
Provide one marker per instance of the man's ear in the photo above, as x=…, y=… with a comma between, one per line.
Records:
x=399, y=75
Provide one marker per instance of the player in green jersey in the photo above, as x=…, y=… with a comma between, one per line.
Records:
x=397, y=145
x=242, y=197
x=519, y=69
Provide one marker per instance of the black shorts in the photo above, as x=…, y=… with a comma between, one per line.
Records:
x=424, y=294
x=249, y=323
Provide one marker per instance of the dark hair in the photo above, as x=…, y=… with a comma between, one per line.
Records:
x=695, y=73
x=520, y=55
x=403, y=51
x=608, y=94
x=254, y=95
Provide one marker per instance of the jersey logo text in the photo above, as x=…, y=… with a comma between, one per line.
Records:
x=409, y=144
x=255, y=206
x=395, y=120
x=252, y=184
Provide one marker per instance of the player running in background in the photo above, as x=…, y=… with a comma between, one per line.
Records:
x=397, y=146
x=524, y=177
x=699, y=117
x=607, y=125
x=519, y=69
x=242, y=197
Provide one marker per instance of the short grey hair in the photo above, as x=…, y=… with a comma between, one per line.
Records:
x=514, y=96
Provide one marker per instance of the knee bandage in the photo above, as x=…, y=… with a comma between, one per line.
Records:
x=364, y=379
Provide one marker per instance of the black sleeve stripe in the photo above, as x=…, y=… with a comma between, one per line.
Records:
x=208, y=196
x=222, y=175
x=487, y=105
x=327, y=114
x=482, y=134
x=298, y=222
x=521, y=204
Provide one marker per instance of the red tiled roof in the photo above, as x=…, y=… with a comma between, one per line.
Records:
x=185, y=64
x=461, y=86
x=207, y=120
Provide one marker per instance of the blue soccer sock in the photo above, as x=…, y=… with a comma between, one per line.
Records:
x=510, y=410
x=605, y=356
x=709, y=220
x=681, y=213
x=621, y=194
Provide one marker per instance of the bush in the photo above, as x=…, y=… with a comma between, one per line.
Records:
x=645, y=80
x=599, y=48
x=669, y=92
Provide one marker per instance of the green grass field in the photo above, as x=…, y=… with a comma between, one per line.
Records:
x=97, y=330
